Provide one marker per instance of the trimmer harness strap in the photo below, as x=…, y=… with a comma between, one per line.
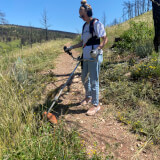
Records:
x=94, y=40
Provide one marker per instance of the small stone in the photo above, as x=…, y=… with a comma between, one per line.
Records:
x=138, y=145
x=144, y=151
x=128, y=74
x=81, y=122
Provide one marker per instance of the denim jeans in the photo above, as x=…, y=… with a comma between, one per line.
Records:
x=90, y=78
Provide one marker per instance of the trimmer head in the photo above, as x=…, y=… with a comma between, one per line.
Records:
x=51, y=117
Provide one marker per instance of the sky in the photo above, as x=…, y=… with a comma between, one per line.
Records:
x=62, y=15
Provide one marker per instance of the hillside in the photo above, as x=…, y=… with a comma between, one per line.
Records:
x=30, y=35
x=117, y=30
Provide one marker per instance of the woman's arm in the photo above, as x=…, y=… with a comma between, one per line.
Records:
x=104, y=41
x=80, y=44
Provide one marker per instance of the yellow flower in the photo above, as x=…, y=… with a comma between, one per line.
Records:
x=129, y=122
x=93, y=151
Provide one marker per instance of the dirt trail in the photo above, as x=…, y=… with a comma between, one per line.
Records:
x=101, y=133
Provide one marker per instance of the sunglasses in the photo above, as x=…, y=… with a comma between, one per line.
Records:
x=81, y=16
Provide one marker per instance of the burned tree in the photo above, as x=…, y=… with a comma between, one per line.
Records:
x=2, y=18
x=45, y=24
x=156, y=17
x=104, y=19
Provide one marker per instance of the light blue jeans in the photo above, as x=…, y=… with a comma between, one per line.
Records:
x=90, y=78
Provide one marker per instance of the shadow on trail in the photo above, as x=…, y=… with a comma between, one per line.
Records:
x=51, y=74
x=60, y=109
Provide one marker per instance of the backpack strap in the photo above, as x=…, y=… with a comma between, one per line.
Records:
x=83, y=27
x=94, y=40
x=91, y=27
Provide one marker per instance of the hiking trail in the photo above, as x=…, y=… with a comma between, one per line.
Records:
x=100, y=133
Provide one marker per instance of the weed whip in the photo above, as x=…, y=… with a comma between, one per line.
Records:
x=94, y=54
x=49, y=115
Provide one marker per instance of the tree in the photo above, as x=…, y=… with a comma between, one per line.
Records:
x=104, y=19
x=2, y=18
x=148, y=5
x=143, y=6
x=30, y=37
x=45, y=24
x=2, y=21
x=115, y=22
x=128, y=6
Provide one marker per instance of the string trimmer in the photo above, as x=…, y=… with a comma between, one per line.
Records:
x=49, y=115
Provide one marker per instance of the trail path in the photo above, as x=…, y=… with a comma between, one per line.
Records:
x=101, y=133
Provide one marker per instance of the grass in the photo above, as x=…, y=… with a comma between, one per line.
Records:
x=23, y=134
x=117, y=30
x=132, y=85
x=136, y=101
x=9, y=46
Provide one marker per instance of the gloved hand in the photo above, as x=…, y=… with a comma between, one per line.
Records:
x=68, y=49
x=95, y=52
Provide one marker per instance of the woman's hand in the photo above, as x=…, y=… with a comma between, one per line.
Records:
x=68, y=48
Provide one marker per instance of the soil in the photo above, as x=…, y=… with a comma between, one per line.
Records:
x=101, y=133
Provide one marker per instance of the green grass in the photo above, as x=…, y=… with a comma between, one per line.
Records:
x=136, y=101
x=133, y=86
x=23, y=134
x=9, y=46
x=47, y=143
x=117, y=30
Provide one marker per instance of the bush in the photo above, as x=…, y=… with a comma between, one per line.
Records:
x=136, y=39
x=149, y=69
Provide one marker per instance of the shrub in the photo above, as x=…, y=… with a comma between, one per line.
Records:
x=149, y=69
x=136, y=39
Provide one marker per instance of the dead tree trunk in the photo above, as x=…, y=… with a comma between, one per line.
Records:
x=156, y=17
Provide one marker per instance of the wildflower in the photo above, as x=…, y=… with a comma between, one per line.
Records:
x=95, y=144
x=129, y=122
x=82, y=141
x=93, y=151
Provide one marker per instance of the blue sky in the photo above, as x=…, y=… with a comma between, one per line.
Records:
x=63, y=15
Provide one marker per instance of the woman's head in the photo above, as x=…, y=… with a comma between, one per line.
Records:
x=85, y=10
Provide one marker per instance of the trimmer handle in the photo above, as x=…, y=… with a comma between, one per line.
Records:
x=68, y=52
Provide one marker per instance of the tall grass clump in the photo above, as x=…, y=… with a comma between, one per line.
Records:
x=22, y=133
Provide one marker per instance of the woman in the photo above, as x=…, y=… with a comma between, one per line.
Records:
x=90, y=41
